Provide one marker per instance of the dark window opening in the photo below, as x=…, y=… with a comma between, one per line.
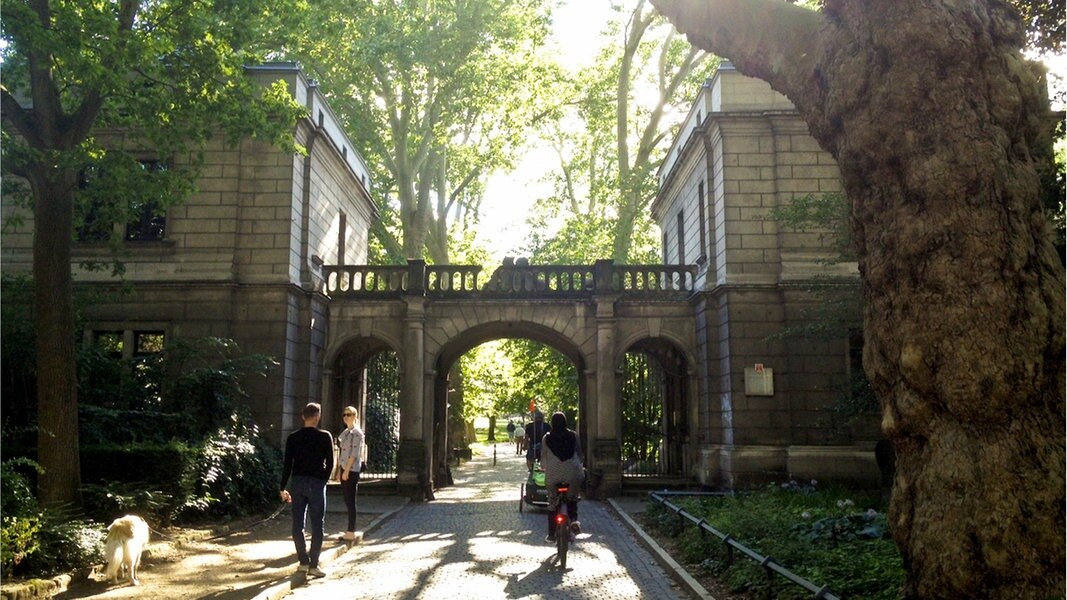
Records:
x=702, y=224
x=145, y=218
x=148, y=221
x=342, y=234
x=681, y=238
x=109, y=342
x=147, y=342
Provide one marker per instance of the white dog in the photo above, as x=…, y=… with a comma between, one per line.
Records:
x=126, y=538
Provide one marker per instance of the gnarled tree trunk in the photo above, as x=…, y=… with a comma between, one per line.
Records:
x=935, y=119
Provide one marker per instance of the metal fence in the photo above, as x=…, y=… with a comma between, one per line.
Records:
x=770, y=567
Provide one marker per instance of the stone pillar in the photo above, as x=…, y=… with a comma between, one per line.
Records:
x=606, y=449
x=412, y=456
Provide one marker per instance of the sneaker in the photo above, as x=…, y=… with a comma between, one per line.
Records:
x=316, y=572
x=302, y=568
x=576, y=527
x=550, y=539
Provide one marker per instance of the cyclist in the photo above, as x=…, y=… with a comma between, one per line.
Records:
x=561, y=459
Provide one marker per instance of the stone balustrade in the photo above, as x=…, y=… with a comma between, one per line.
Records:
x=512, y=279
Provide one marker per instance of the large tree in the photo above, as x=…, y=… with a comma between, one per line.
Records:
x=436, y=94
x=172, y=73
x=935, y=119
x=614, y=126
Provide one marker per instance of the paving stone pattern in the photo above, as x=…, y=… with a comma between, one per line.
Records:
x=473, y=542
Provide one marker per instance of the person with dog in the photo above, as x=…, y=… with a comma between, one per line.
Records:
x=561, y=458
x=308, y=459
x=350, y=459
x=534, y=432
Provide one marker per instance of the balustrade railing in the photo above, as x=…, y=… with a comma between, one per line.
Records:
x=511, y=279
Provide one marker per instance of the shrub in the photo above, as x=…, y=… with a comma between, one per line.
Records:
x=236, y=473
x=830, y=537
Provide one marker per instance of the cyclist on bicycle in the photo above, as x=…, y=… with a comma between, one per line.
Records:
x=561, y=459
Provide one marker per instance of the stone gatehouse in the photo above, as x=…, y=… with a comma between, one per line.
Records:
x=271, y=250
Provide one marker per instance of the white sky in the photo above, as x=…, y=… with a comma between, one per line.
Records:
x=509, y=196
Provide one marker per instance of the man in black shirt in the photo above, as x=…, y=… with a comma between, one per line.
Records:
x=534, y=432
x=309, y=459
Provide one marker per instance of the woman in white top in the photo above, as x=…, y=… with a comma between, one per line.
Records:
x=349, y=459
x=561, y=458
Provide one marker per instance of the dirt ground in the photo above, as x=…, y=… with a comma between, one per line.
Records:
x=189, y=563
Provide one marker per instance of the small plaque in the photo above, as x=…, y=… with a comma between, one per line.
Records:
x=759, y=381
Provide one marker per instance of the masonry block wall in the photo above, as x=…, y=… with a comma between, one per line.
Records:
x=742, y=152
x=241, y=257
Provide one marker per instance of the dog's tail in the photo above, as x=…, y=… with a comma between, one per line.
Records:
x=113, y=551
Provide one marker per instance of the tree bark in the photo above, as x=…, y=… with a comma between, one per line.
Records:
x=57, y=389
x=935, y=119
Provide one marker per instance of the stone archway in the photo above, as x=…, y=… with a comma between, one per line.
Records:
x=654, y=390
x=459, y=344
x=364, y=373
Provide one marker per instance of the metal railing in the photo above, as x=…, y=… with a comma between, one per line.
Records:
x=512, y=279
x=770, y=566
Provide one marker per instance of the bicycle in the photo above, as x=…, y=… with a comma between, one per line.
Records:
x=564, y=531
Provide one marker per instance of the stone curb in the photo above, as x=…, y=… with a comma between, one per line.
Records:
x=276, y=591
x=669, y=564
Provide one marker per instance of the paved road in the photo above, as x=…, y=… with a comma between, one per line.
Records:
x=473, y=543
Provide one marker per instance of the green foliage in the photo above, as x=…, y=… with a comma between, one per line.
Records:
x=541, y=371
x=642, y=411
x=488, y=383
x=66, y=542
x=38, y=541
x=436, y=96
x=18, y=540
x=613, y=127
x=236, y=474
x=826, y=214
x=830, y=537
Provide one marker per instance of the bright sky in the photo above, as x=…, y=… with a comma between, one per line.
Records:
x=509, y=196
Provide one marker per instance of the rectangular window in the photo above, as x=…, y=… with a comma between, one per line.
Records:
x=342, y=235
x=110, y=343
x=702, y=224
x=681, y=238
x=147, y=342
x=148, y=219
x=128, y=343
x=145, y=216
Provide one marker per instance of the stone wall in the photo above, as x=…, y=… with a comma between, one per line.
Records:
x=751, y=152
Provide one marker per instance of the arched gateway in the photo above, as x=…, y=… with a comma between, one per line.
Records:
x=592, y=314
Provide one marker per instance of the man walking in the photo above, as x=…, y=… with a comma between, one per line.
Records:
x=309, y=459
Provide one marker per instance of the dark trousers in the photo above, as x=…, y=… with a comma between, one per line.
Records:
x=350, y=486
x=572, y=514
x=309, y=503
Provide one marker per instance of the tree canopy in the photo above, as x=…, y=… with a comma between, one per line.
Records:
x=437, y=95
x=175, y=77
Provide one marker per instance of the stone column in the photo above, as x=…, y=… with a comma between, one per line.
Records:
x=412, y=459
x=606, y=449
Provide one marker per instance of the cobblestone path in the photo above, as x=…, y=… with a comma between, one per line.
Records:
x=472, y=542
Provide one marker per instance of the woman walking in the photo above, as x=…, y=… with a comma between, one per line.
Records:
x=561, y=458
x=350, y=459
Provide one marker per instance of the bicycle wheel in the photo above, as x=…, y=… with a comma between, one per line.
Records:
x=563, y=539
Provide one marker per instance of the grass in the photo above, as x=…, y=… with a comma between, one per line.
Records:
x=831, y=537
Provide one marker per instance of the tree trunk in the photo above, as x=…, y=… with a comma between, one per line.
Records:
x=935, y=118
x=57, y=387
